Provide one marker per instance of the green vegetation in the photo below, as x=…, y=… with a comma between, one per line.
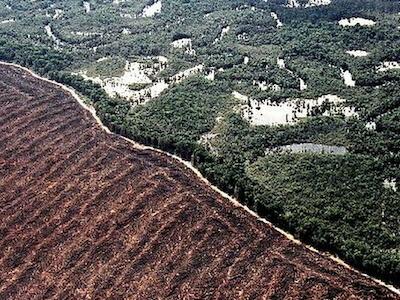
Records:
x=112, y=67
x=338, y=203
x=169, y=122
x=313, y=195
x=138, y=86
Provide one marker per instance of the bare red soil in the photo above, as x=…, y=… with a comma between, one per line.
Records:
x=86, y=215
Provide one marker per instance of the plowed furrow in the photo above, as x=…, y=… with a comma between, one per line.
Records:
x=38, y=214
x=52, y=171
x=26, y=110
x=39, y=121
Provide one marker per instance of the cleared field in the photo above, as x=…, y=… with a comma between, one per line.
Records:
x=84, y=214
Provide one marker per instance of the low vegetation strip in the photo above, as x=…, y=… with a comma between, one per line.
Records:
x=85, y=214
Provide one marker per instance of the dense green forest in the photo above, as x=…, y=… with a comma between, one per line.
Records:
x=347, y=203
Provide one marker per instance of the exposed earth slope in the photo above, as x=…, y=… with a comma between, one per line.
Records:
x=86, y=214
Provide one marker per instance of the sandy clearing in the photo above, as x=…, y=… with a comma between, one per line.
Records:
x=358, y=53
x=390, y=184
x=140, y=73
x=50, y=33
x=370, y=125
x=275, y=17
x=310, y=3
x=388, y=65
x=182, y=43
x=57, y=14
x=7, y=21
x=347, y=77
x=291, y=111
x=87, y=7
x=281, y=63
x=356, y=21
x=303, y=85
x=224, y=32
x=152, y=10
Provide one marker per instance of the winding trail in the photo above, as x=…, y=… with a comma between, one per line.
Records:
x=199, y=175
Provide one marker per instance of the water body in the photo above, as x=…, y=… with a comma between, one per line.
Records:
x=311, y=148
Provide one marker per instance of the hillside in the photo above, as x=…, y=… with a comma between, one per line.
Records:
x=86, y=214
x=290, y=106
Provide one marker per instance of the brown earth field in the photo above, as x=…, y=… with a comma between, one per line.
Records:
x=84, y=214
